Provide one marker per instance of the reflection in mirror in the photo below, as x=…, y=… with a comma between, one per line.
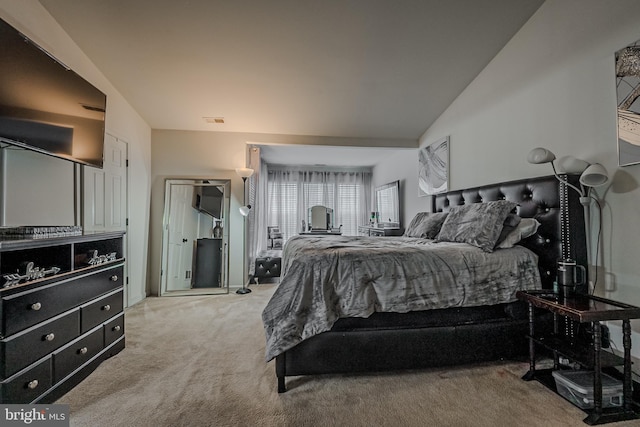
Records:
x=388, y=205
x=195, y=238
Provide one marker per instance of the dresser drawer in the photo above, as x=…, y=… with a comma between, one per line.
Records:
x=74, y=355
x=113, y=330
x=96, y=312
x=28, y=385
x=20, y=350
x=24, y=309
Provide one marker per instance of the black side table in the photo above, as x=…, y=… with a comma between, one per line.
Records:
x=583, y=309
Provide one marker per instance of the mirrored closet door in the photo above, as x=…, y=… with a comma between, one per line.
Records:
x=195, y=239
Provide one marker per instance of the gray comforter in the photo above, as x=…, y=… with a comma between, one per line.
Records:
x=325, y=278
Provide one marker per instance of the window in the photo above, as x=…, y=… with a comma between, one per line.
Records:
x=349, y=209
x=292, y=193
x=283, y=202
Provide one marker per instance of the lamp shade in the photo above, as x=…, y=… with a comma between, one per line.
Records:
x=570, y=164
x=244, y=172
x=244, y=210
x=540, y=155
x=594, y=176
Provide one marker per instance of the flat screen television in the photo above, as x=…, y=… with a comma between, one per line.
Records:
x=45, y=106
x=209, y=200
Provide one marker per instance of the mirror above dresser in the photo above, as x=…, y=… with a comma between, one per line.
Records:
x=385, y=221
x=388, y=205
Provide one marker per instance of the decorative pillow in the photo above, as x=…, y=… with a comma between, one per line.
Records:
x=526, y=228
x=425, y=225
x=510, y=224
x=478, y=224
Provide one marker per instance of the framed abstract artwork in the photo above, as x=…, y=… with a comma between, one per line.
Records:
x=628, y=94
x=433, y=168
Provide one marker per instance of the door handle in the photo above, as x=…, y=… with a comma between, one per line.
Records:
x=184, y=240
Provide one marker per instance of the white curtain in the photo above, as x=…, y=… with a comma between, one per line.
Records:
x=257, y=219
x=292, y=191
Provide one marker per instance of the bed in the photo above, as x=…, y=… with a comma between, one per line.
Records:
x=366, y=304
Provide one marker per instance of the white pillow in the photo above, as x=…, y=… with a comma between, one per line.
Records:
x=526, y=228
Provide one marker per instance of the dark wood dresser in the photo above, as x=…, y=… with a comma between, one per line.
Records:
x=61, y=312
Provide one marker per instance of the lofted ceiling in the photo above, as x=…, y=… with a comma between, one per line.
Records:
x=334, y=68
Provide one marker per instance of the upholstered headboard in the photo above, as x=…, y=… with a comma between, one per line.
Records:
x=561, y=233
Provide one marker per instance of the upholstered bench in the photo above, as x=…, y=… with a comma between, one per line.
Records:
x=267, y=265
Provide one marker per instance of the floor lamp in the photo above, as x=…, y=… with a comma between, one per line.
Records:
x=591, y=175
x=244, y=173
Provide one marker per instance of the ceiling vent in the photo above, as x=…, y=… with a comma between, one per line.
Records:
x=214, y=120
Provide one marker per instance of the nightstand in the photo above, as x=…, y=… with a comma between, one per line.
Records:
x=579, y=310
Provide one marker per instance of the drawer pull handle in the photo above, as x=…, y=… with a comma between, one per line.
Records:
x=114, y=278
x=36, y=306
x=106, y=307
x=32, y=384
x=116, y=328
x=83, y=350
x=49, y=337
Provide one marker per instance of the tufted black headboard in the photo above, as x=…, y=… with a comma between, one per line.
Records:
x=561, y=233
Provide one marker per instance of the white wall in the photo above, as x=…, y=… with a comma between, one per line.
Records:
x=402, y=165
x=122, y=121
x=553, y=85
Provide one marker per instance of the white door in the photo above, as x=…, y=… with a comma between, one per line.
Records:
x=105, y=195
x=115, y=167
x=105, y=190
x=182, y=229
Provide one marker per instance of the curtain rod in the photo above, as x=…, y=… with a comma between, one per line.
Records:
x=318, y=168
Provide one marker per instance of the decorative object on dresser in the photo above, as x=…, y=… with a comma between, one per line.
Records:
x=438, y=335
x=58, y=327
x=39, y=231
x=216, y=232
x=244, y=173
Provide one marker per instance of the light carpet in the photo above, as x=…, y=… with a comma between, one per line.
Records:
x=199, y=361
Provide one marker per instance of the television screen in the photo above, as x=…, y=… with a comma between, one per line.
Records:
x=45, y=106
x=209, y=200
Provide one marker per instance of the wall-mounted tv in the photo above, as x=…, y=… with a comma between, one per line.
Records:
x=209, y=200
x=45, y=106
